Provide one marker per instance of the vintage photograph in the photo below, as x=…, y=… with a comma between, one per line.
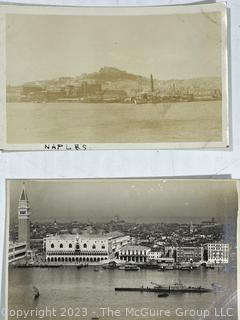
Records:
x=115, y=78
x=122, y=249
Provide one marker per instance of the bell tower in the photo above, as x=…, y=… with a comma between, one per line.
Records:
x=24, y=218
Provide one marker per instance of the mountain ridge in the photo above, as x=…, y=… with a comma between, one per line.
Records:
x=113, y=74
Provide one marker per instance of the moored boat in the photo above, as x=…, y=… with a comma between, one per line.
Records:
x=129, y=267
x=163, y=295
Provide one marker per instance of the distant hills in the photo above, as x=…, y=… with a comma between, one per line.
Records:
x=112, y=74
x=114, y=78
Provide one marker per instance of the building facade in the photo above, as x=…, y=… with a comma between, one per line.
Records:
x=76, y=249
x=155, y=255
x=216, y=253
x=134, y=253
x=17, y=251
x=189, y=254
x=24, y=218
x=117, y=240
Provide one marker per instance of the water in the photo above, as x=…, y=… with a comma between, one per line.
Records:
x=114, y=122
x=84, y=288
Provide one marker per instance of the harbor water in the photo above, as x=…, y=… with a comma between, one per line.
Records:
x=83, y=292
x=114, y=122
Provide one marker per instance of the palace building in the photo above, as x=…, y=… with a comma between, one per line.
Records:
x=76, y=249
x=81, y=249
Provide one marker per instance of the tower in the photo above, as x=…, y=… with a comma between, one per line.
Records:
x=24, y=218
x=191, y=227
x=152, y=84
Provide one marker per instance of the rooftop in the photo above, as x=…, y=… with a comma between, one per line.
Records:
x=114, y=234
x=134, y=247
x=75, y=236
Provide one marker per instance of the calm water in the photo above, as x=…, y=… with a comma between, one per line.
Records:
x=114, y=123
x=75, y=288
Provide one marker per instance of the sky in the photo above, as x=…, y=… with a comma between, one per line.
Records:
x=135, y=200
x=177, y=46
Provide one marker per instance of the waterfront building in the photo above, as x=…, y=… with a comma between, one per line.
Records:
x=155, y=255
x=17, y=251
x=166, y=261
x=216, y=253
x=170, y=251
x=134, y=253
x=24, y=218
x=189, y=254
x=31, y=88
x=117, y=240
x=76, y=249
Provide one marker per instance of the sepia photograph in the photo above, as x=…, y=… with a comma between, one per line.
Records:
x=122, y=248
x=118, y=78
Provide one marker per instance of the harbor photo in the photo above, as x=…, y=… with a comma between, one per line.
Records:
x=115, y=78
x=122, y=249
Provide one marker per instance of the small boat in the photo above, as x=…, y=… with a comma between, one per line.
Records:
x=111, y=265
x=36, y=293
x=163, y=295
x=130, y=267
x=96, y=269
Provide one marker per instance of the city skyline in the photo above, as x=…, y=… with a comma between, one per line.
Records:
x=133, y=200
x=95, y=44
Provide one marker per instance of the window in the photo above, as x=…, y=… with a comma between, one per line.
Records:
x=70, y=245
x=52, y=245
x=93, y=246
x=77, y=247
x=85, y=245
x=103, y=246
x=61, y=245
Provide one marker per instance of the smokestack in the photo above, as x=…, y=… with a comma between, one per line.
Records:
x=152, y=86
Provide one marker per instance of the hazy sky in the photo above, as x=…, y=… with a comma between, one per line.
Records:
x=168, y=46
x=133, y=200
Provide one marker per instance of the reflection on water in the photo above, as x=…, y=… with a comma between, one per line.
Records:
x=114, y=122
x=85, y=290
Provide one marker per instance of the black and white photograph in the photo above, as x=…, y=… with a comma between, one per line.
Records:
x=122, y=249
x=103, y=78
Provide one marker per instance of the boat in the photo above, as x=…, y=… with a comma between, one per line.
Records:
x=186, y=268
x=176, y=287
x=129, y=267
x=36, y=293
x=96, y=269
x=111, y=265
x=161, y=269
x=163, y=295
x=169, y=267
